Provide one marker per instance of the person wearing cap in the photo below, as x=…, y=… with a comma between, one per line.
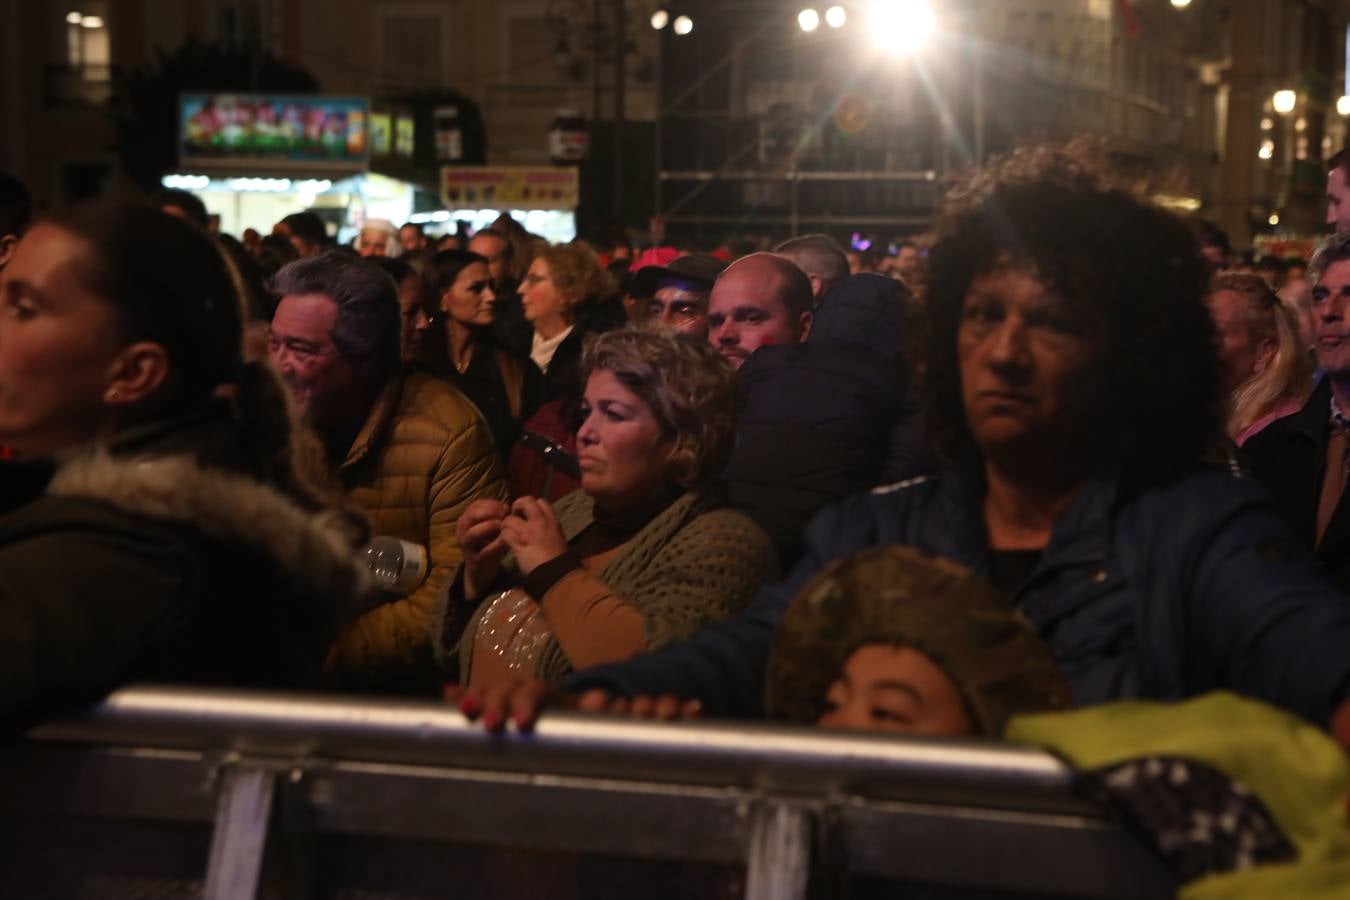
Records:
x=890, y=639
x=677, y=293
x=378, y=237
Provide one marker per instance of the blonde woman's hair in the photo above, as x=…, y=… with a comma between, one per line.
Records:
x=1288, y=377
x=687, y=385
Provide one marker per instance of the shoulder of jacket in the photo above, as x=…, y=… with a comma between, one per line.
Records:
x=313, y=547
x=724, y=520
x=1198, y=497
x=430, y=399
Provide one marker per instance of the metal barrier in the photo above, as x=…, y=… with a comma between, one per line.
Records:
x=792, y=806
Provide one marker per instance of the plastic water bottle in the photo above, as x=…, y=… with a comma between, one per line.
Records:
x=397, y=565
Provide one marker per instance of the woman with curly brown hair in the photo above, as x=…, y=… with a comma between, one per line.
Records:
x=642, y=555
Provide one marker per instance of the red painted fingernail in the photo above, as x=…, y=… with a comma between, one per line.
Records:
x=468, y=706
x=492, y=721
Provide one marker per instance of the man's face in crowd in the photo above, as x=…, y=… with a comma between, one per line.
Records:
x=682, y=306
x=907, y=262
x=494, y=249
x=1338, y=201
x=322, y=380
x=302, y=245
x=1028, y=373
x=1331, y=303
x=411, y=239
x=745, y=313
x=373, y=243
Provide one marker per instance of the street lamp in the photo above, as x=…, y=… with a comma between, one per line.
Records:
x=901, y=26
x=1284, y=101
x=808, y=20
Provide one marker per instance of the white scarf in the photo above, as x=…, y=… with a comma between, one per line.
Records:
x=542, y=350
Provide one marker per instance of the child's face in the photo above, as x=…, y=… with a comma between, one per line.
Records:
x=899, y=689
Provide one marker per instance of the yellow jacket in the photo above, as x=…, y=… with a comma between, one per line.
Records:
x=424, y=455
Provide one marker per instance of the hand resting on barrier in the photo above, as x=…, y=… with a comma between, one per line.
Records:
x=522, y=700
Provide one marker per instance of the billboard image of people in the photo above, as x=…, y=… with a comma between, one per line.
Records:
x=266, y=129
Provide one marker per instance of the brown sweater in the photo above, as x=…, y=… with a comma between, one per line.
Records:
x=691, y=565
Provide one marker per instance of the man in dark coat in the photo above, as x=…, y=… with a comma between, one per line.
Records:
x=821, y=419
x=1303, y=459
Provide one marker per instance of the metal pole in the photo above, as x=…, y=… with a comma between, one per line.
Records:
x=977, y=101
x=779, y=861
x=620, y=65
x=597, y=55
x=240, y=835
x=660, y=114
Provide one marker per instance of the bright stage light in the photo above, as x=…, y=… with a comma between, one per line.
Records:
x=901, y=26
x=808, y=20
x=683, y=25
x=1284, y=101
x=660, y=19
x=835, y=17
x=1343, y=106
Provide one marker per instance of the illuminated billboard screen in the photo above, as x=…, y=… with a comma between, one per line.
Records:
x=273, y=131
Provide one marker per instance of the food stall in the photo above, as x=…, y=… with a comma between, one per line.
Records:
x=255, y=158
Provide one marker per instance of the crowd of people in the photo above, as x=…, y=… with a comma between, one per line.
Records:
x=1067, y=454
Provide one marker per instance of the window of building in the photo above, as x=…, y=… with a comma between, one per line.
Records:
x=412, y=44
x=79, y=70
x=87, y=38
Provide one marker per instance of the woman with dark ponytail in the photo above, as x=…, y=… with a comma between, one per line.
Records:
x=153, y=525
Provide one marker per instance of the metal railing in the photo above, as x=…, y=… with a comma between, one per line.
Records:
x=788, y=805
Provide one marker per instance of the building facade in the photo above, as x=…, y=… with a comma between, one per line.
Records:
x=743, y=122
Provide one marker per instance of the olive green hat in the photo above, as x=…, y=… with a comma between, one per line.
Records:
x=899, y=596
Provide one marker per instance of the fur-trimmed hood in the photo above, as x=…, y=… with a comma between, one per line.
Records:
x=315, y=549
